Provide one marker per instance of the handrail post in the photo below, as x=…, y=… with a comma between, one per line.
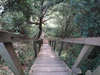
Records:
x=61, y=46
x=40, y=43
x=81, y=58
x=50, y=42
x=9, y=55
x=35, y=49
x=54, y=45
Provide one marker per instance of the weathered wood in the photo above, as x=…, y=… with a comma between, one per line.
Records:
x=40, y=43
x=89, y=41
x=50, y=42
x=50, y=69
x=35, y=48
x=51, y=73
x=88, y=73
x=8, y=54
x=60, y=50
x=54, y=45
x=9, y=37
x=97, y=71
x=47, y=63
x=82, y=56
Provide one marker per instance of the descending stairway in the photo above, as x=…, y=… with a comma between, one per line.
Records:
x=47, y=63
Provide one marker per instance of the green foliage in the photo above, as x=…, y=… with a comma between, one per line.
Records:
x=15, y=22
x=24, y=6
x=87, y=17
x=70, y=53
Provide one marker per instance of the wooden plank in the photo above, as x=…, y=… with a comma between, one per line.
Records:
x=50, y=69
x=54, y=45
x=35, y=49
x=47, y=63
x=47, y=59
x=8, y=54
x=89, y=41
x=9, y=37
x=82, y=56
x=88, y=73
x=54, y=62
x=50, y=42
x=97, y=71
x=61, y=47
x=50, y=73
x=40, y=43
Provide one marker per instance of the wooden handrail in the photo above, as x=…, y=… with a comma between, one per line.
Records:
x=9, y=37
x=89, y=44
x=89, y=41
x=8, y=53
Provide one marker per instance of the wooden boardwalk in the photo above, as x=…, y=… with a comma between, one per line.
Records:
x=47, y=63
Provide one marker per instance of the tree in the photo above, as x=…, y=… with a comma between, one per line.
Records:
x=87, y=16
x=64, y=19
x=31, y=9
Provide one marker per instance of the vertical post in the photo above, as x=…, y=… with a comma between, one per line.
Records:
x=35, y=50
x=54, y=45
x=8, y=54
x=40, y=44
x=50, y=42
x=81, y=58
x=61, y=47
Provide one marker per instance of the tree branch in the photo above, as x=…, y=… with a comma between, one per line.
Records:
x=37, y=23
x=47, y=19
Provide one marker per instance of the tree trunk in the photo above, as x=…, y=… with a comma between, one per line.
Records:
x=41, y=18
x=40, y=27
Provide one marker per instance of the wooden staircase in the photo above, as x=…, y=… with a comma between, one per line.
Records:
x=48, y=63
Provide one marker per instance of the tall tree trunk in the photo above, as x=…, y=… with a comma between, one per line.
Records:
x=41, y=18
x=40, y=27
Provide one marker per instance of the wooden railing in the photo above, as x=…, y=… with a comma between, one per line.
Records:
x=89, y=44
x=8, y=53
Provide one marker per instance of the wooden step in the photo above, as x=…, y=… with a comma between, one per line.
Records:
x=50, y=73
x=47, y=63
x=50, y=69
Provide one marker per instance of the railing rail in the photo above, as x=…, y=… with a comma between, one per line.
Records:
x=8, y=53
x=89, y=41
x=89, y=44
x=10, y=37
